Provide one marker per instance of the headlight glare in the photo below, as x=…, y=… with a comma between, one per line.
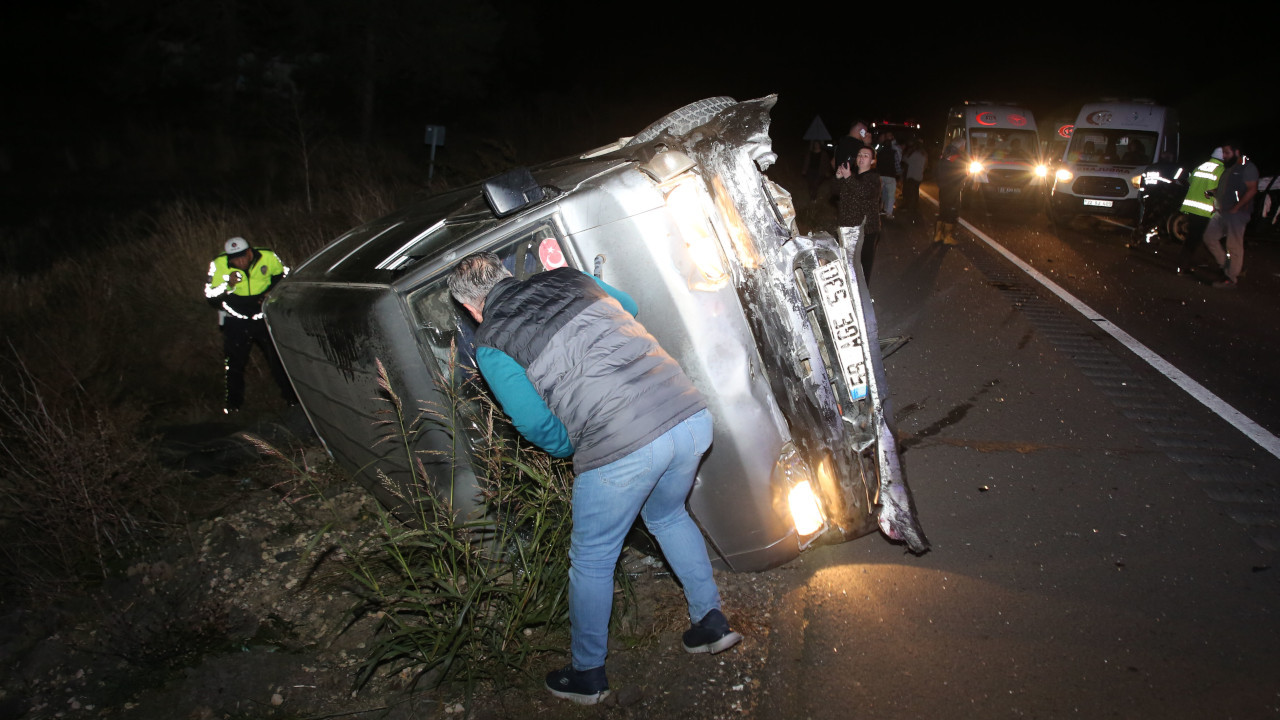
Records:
x=805, y=511
x=1063, y=175
x=1042, y=170
x=975, y=168
x=684, y=200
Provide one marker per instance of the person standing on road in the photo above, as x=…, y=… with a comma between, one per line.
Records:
x=578, y=375
x=1197, y=206
x=912, y=175
x=1233, y=206
x=889, y=166
x=951, y=173
x=860, y=203
x=239, y=280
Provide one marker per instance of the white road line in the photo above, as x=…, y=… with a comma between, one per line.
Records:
x=1239, y=420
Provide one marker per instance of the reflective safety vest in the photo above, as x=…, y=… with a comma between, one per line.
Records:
x=244, y=299
x=1203, y=179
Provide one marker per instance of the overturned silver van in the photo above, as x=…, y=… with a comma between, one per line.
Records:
x=773, y=328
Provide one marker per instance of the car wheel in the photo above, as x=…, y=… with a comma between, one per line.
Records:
x=1179, y=225
x=683, y=120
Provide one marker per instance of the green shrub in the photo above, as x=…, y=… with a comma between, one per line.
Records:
x=467, y=598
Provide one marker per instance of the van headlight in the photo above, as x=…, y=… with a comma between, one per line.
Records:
x=793, y=477
x=1042, y=170
x=1063, y=175
x=685, y=201
x=975, y=168
x=806, y=515
x=1136, y=180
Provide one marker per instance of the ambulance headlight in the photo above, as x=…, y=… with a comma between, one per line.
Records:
x=1042, y=170
x=1136, y=180
x=1063, y=175
x=975, y=168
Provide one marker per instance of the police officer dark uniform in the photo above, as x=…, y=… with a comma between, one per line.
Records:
x=239, y=280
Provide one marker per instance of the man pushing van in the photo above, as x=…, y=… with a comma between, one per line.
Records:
x=578, y=376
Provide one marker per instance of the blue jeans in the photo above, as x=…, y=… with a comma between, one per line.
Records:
x=652, y=482
x=888, y=188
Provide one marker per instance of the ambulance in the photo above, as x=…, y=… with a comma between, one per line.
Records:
x=1100, y=172
x=1004, y=152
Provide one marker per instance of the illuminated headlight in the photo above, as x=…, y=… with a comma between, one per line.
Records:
x=805, y=512
x=684, y=200
x=1063, y=175
x=791, y=475
x=1042, y=170
x=975, y=168
x=1136, y=180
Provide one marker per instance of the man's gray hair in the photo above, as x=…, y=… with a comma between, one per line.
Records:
x=475, y=276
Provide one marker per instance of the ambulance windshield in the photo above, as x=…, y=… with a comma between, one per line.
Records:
x=1123, y=147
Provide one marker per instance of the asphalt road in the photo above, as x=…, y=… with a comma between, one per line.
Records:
x=1103, y=544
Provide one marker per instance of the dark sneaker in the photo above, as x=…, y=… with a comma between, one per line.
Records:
x=585, y=687
x=711, y=634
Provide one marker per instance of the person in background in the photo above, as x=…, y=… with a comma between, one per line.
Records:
x=849, y=145
x=951, y=173
x=1232, y=208
x=914, y=162
x=889, y=167
x=860, y=203
x=1197, y=206
x=817, y=167
x=239, y=280
x=579, y=376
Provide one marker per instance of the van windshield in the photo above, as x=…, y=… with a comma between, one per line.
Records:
x=1003, y=145
x=1123, y=147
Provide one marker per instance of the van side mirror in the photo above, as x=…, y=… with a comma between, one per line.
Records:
x=512, y=191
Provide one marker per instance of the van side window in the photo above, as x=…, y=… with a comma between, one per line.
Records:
x=443, y=325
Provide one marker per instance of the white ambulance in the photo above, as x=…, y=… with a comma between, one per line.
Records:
x=1100, y=171
x=1003, y=149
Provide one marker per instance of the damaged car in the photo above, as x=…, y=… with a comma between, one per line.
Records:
x=774, y=328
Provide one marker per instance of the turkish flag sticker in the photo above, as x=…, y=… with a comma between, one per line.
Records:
x=550, y=255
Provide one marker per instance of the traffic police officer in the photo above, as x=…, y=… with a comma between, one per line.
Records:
x=1197, y=207
x=239, y=280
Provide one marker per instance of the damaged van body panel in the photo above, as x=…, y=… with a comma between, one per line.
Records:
x=770, y=326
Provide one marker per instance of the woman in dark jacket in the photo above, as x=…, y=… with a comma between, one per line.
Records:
x=860, y=203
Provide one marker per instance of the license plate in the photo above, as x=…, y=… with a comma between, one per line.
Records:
x=1097, y=203
x=1010, y=190
x=845, y=328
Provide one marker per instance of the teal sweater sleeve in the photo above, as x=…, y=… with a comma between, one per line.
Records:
x=624, y=299
x=522, y=403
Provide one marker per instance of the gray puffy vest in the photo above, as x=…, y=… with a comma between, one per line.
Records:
x=606, y=378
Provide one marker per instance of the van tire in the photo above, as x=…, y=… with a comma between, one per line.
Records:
x=683, y=120
x=1059, y=218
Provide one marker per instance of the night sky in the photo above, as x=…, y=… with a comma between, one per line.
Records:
x=94, y=66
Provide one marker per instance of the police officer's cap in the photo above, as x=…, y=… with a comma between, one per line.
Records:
x=236, y=246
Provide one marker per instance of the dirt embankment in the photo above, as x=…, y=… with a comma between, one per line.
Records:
x=245, y=614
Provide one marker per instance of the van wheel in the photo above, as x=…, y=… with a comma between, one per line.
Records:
x=1060, y=218
x=1179, y=226
x=683, y=120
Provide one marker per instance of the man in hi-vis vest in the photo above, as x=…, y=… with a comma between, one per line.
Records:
x=1197, y=207
x=238, y=283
